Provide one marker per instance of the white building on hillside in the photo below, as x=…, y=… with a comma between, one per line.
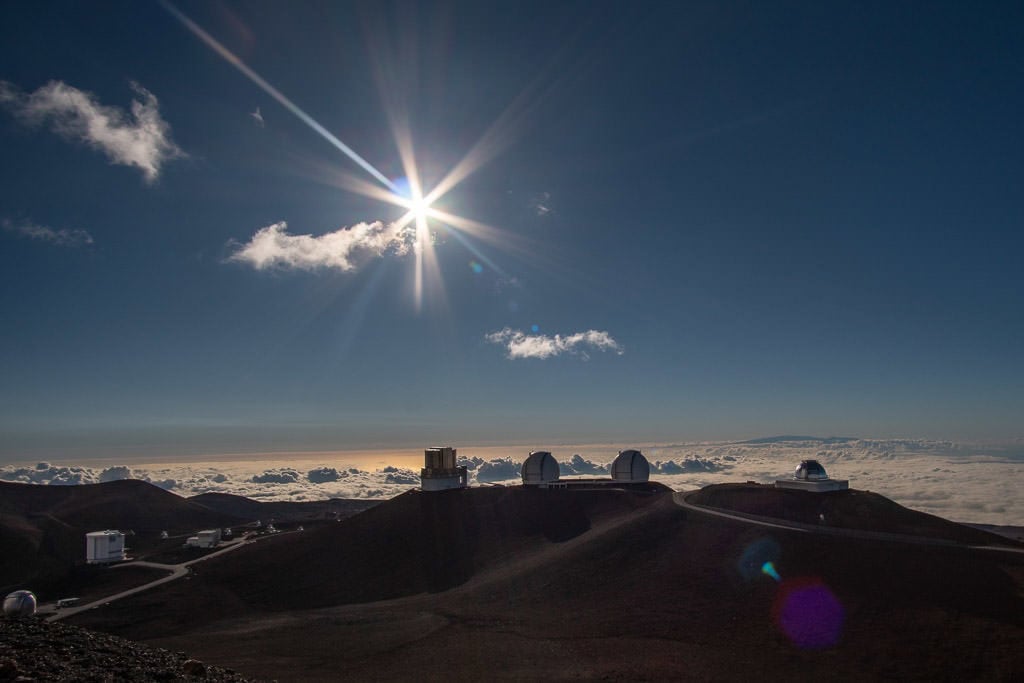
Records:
x=104, y=546
x=210, y=538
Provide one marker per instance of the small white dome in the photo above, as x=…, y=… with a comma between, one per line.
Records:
x=810, y=470
x=20, y=604
x=540, y=467
x=631, y=465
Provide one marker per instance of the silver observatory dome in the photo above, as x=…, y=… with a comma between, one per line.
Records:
x=631, y=465
x=20, y=604
x=540, y=468
x=810, y=470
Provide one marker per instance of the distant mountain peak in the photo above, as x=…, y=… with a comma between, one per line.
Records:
x=795, y=437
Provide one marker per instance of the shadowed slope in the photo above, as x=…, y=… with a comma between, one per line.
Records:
x=124, y=504
x=280, y=511
x=414, y=543
x=42, y=528
x=634, y=588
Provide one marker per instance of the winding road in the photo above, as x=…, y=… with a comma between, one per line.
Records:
x=176, y=572
x=681, y=498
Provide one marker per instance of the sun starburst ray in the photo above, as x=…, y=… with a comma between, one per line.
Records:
x=497, y=237
x=418, y=203
x=346, y=181
x=464, y=241
x=249, y=73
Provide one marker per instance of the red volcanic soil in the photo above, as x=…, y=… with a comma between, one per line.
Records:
x=520, y=583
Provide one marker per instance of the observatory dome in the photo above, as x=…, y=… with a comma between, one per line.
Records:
x=20, y=604
x=810, y=470
x=631, y=465
x=540, y=468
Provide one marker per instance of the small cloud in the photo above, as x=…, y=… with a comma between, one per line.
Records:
x=470, y=463
x=344, y=249
x=507, y=283
x=258, y=117
x=62, y=237
x=400, y=475
x=115, y=474
x=499, y=469
x=142, y=140
x=580, y=465
x=284, y=476
x=321, y=475
x=688, y=466
x=540, y=204
x=521, y=345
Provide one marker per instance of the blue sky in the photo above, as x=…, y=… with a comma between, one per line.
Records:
x=708, y=221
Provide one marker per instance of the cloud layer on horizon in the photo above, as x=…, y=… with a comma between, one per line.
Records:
x=518, y=344
x=344, y=249
x=142, y=140
x=955, y=481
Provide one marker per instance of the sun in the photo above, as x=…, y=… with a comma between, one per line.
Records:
x=420, y=207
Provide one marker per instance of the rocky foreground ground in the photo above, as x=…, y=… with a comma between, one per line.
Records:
x=34, y=650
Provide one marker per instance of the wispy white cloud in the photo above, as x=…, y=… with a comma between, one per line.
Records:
x=62, y=237
x=343, y=249
x=141, y=139
x=541, y=204
x=518, y=344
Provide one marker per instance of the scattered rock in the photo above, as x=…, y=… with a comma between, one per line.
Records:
x=8, y=669
x=35, y=650
x=193, y=667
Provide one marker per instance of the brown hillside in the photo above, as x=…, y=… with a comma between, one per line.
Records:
x=414, y=543
x=42, y=528
x=557, y=584
x=124, y=504
x=282, y=511
x=849, y=509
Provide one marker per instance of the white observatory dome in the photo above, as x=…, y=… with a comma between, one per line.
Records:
x=20, y=604
x=540, y=468
x=810, y=470
x=631, y=465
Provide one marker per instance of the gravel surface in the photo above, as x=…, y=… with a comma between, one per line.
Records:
x=33, y=650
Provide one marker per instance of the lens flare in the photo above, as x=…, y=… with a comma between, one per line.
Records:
x=809, y=614
x=768, y=568
x=758, y=554
x=408, y=192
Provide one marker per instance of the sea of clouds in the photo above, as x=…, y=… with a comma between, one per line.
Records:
x=963, y=482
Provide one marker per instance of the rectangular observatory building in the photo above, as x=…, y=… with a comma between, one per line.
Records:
x=104, y=546
x=440, y=470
